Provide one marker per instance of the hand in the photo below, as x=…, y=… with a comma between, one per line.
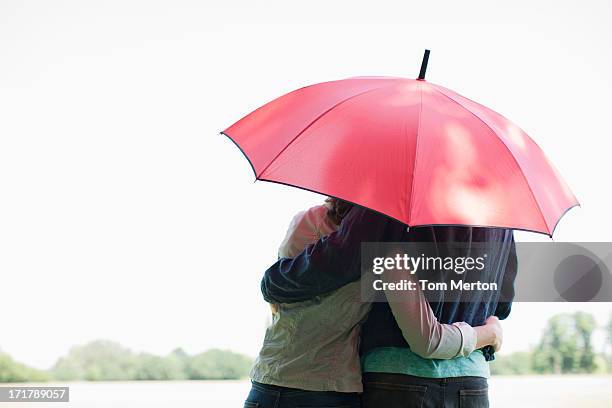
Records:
x=274, y=307
x=497, y=332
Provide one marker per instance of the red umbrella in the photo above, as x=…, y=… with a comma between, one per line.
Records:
x=410, y=149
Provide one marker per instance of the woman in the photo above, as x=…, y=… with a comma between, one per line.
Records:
x=310, y=355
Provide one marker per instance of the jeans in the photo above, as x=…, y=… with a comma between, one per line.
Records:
x=273, y=396
x=382, y=390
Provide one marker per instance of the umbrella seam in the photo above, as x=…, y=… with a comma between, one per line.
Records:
x=416, y=153
x=314, y=121
x=509, y=151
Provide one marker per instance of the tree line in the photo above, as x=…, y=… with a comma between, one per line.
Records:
x=103, y=360
x=565, y=347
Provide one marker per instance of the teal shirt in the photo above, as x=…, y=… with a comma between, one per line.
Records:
x=400, y=360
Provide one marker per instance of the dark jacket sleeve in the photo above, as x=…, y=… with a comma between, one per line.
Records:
x=327, y=265
x=504, y=306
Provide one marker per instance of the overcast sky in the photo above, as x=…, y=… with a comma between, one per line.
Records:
x=124, y=215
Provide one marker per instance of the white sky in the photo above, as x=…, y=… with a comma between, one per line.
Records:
x=125, y=216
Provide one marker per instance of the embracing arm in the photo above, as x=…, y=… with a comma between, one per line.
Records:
x=429, y=338
x=504, y=306
x=329, y=264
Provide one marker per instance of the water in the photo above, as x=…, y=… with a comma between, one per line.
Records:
x=505, y=392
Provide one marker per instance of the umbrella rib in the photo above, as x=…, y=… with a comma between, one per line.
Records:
x=313, y=122
x=507, y=148
x=416, y=152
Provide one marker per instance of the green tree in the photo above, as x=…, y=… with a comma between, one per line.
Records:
x=107, y=361
x=219, y=365
x=12, y=371
x=585, y=325
x=97, y=361
x=608, y=329
x=608, y=345
x=565, y=346
x=556, y=352
x=152, y=367
x=518, y=363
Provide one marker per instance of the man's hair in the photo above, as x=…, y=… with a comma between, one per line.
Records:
x=337, y=209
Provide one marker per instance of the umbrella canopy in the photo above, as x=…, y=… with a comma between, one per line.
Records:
x=407, y=148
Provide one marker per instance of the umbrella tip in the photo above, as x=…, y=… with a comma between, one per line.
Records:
x=424, y=66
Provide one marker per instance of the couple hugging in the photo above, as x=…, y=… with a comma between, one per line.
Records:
x=327, y=347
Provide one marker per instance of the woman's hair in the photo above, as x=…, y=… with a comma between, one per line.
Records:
x=337, y=209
